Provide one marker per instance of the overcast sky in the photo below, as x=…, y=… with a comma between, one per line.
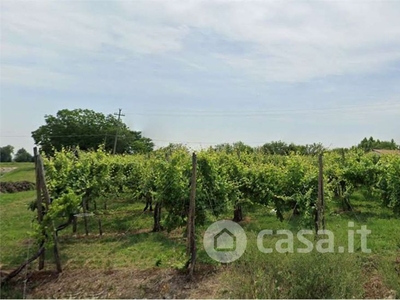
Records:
x=206, y=72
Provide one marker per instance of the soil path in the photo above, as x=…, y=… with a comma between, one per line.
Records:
x=123, y=283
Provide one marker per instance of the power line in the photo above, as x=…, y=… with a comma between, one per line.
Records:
x=116, y=133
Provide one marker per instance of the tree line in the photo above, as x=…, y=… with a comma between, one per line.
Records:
x=283, y=148
x=88, y=130
x=6, y=155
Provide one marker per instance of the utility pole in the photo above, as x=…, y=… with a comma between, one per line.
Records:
x=116, y=133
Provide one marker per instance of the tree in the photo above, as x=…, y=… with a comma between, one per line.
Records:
x=23, y=156
x=238, y=147
x=88, y=130
x=314, y=149
x=228, y=148
x=278, y=147
x=6, y=153
x=370, y=144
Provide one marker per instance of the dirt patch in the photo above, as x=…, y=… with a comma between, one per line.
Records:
x=5, y=170
x=375, y=287
x=15, y=187
x=123, y=283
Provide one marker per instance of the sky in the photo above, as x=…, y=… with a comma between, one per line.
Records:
x=205, y=72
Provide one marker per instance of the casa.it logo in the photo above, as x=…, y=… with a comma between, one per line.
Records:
x=225, y=241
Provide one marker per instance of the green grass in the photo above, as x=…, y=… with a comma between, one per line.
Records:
x=15, y=225
x=316, y=275
x=15, y=218
x=309, y=276
x=127, y=242
x=24, y=172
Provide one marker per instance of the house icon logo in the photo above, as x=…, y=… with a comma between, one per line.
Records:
x=225, y=241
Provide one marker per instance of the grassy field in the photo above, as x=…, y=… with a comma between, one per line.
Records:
x=23, y=171
x=316, y=275
x=15, y=224
x=144, y=264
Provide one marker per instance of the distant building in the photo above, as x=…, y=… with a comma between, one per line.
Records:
x=383, y=151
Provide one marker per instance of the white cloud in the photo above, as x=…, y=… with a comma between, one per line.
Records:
x=296, y=40
x=35, y=77
x=291, y=41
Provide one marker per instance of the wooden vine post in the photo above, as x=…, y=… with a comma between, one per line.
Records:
x=191, y=239
x=320, y=213
x=321, y=191
x=42, y=183
x=39, y=205
x=85, y=213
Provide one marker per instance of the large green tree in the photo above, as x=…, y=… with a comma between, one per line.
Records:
x=282, y=148
x=23, y=156
x=6, y=153
x=87, y=130
x=370, y=144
